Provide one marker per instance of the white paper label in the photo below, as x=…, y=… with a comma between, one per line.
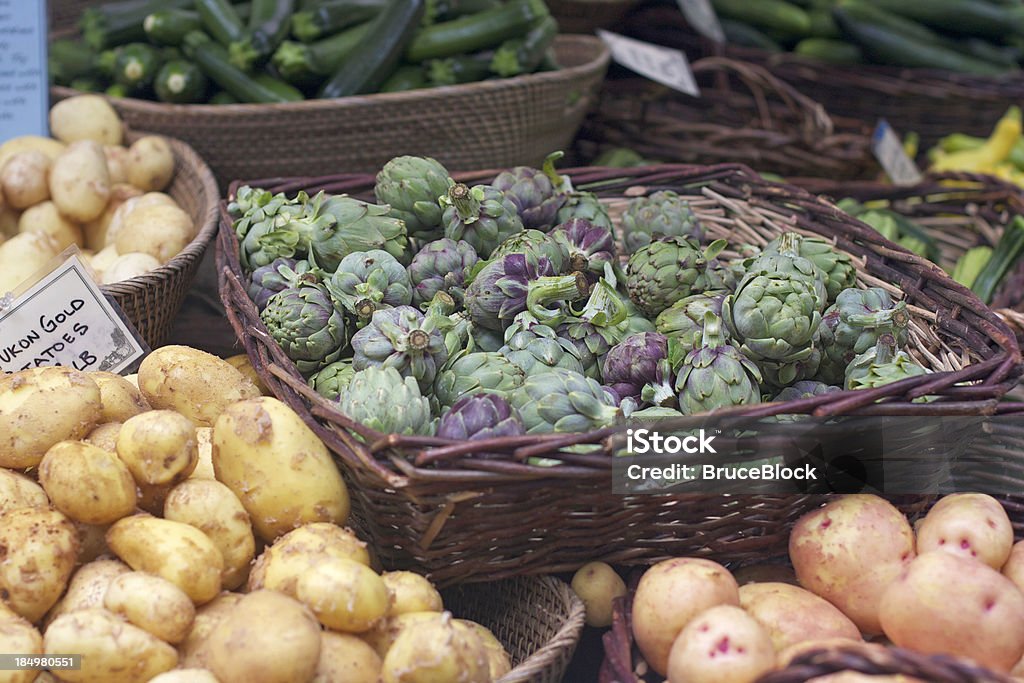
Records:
x=701, y=16
x=24, y=100
x=662, y=64
x=64, y=319
x=890, y=154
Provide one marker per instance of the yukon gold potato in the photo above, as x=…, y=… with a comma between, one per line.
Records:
x=207, y=618
x=344, y=657
x=950, y=604
x=150, y=163
x=40, y=548
x=105, y=436
x=186, y=676
x=790, y=614
x=41, y=406
x=211, y=507
x=95, y=231
x=44, y=218
x=279, y=469
x=197, y=384
x=113, y=651
x=152, y=497
x=849, y=551
x=127, y=266
x=153, y=604
x=102, y=261
x=117, y=220
x=80, y=182
x=117, y=164
x=597, y=585
x=669, y=595
x=723, y=643
x=86, y=117
x=88, y=586
x=204, y=444
x=436, y=650
x=498, y=661
x=280, y=565
x=344, y=595
x=27, y=143
x=411, y=592
x=121, y=400
x=92, y=541
x=381, y=636
x=267, y=638
x=18, y=491
x=18, y=636
x=25, y=179
x=970, y=524
x=242, y=363
x=87, y=483
x=23, y=256
x=160, y=231
x=9, y=218
x=180, y=553
x=158, y=446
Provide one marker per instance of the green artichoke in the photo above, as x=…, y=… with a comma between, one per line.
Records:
x=358, y=226
x=367, y=281
x=653, y=413
x=595, y=329
x=537, y=194
x=380, y=398
x=880, y=365
x=785, y=259
x=535, y=245
x=716, y=375
x=779, y=374
x=667, y=270
x=662, y=214
x=404, y=339
x=837, y=267
x=535, y=348
x=471, y=373
x=587, y=206
x=330, y=380
x=441, y=266
x=684, y=320
x=257, y=215
x=281, y=273
x=305, y=323
x=562, y=400
x=805, y=389
x=411, y=186
x=853, y=324
x=482, y=216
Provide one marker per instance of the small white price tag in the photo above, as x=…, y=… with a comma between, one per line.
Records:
x=662, y=64
x=701, y=16
x=24, y=95
x=64, y=319
x=890, y=154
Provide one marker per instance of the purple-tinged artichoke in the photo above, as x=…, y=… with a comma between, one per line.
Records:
x=537, y=194
x=404, y=339
x=633, y=362
x=481, y=215
x=562, y=400
x=411, y=187
x=330, y=380
x=716, y=375
x=667, y=270
x=684, y=320
x=368, y=281
x=805, y=389
x=486, y=339
x=880, y=365
x=535, y=347
x=499, y=291
x=587, y=206
x=474, y=373
x=662, y=214
x=535, y=245
x=590, y=247
x=595, y=329
x=836, y=266
x=779, y=374
x=279, y=274
x=480, y=416
x=853, y=324
x=441, y=266
x=382, y=399
x=305, y=323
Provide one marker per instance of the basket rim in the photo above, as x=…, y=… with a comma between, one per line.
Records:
x=597, y=57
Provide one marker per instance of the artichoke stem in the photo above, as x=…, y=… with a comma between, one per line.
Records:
x=660, y=394
x=578, y=262
x=549, y=168
x=418, y=340
x=789, y=244
x=885, y=349
x=466, y=205
x=546, y=290
x=442, y=304
x=365, y=308
x=713, y=337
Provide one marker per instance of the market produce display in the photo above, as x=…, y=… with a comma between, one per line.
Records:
x=177, y=525
x=266, y=51
x=982, y=37
x=858, y=573
x=87, y=187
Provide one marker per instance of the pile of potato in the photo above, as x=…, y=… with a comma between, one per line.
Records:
x=860, y=573
x=85, y=188
x=179, y=526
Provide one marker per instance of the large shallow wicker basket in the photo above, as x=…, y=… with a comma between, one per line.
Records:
x=538, y=619
x=931, y=102
x=152, y=301
x=481, y=519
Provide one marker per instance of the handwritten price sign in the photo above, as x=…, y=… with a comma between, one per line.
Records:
x=662, y=64
x=24, y=99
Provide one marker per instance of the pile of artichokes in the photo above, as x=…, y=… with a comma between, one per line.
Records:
x=517, y=307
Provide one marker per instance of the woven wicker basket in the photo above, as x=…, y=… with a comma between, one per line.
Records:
x=743, y=115
x=933, y=103
x=586, y=16
x=481, y=519
x=152, y=301
x=539, y=620
x=480, y=125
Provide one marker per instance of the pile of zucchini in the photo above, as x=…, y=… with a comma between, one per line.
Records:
x=272, y=51
x=982, y=37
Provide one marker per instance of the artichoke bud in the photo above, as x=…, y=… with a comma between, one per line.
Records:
x=465, y=201
x=550, y=289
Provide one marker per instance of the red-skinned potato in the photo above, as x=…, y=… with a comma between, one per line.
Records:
x=723, y=643
x=793, y=615
x=972, y=525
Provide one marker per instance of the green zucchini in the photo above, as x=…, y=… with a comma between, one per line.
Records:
x=738, y=33
x=269, y=24
x=964, y=17
x=70, y=59
x=823, y=24
x=829, y=50
x=476, y=32
x=331, y=17
x=169, y=26
x=1008, y=250
x=1006, y=55
x=116, y=90
x=766, y=14
x=136, y=66
x=212, y=58
x=524, y=55
x=119, y=23
x=305, y=65
x=286, y=91
x=86, y=84
x=223, y=97
x=379, y=51
x=221, y=20
x=406, y=77
x=180, y=82
x=446, y=10
x=460, y=69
